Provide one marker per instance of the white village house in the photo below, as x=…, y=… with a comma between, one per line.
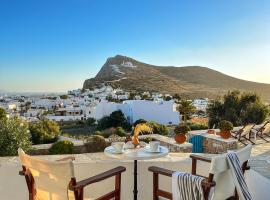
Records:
x=163, y=112
x=201, y=104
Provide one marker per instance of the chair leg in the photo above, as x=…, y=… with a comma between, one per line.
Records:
x=155, y=186
x=242, y=142
x=118, y=186
x=249, y=140
x=78, y=194
x=260, y=136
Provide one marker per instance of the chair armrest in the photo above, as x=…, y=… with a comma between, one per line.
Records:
x=162, y=171
x=97, y=178
x=200, y=157
x=166, y=172
x=66, y=158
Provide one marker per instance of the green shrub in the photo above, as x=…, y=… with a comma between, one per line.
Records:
x=120, y=132
x=181, y=129
x=197, y=126
x=108, y=132
x=112, y=131
x=147, y=139
x=62, y=147
x=98, y=133
x=225, y=125
x=158, y=128
x=14, y=134
x=95, y=143
x=45, y=131
x=3, y=114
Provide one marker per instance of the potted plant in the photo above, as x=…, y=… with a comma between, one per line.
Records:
x=225, y=129
x=139, y=128
x=180, y=133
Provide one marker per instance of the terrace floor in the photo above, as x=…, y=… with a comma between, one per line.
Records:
x=260, y=158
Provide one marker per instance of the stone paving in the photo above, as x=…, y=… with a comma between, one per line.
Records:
x=260, y=158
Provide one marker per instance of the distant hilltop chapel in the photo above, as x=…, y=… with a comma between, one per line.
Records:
x=127, y=64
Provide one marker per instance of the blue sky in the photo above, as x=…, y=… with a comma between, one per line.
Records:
x=50, y=45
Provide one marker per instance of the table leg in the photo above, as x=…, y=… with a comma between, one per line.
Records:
x=135, y=190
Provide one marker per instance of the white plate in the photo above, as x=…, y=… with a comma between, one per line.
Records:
x=112, y=150
x=148, y=150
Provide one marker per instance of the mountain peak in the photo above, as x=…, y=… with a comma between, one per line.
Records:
x=192, y=81
x=117, y=60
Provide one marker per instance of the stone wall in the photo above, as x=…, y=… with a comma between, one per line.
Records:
x=170, y=143
x=216, y=146
x=214, y=143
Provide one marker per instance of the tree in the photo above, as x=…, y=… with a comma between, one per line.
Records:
x=177, y=97
x=45, y=131
x=116, y=119
x=254, y=113
x=64, y=96
x=3, y=114
x=167, y=98
x=90, y=121
x=215, y=112
x=186, y=108
x=132, y=96
x=238, y=108
x=27, y=105
x=14, y=134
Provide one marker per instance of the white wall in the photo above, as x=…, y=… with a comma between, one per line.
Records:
x=64, y=118
x=161, y=112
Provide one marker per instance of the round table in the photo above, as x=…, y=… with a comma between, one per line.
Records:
x=135, y=155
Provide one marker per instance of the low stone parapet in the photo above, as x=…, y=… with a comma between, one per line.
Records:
x=170, y=143
x=214, y=143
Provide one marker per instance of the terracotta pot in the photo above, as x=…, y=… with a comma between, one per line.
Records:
x=225, y=134
x=211, y=131
x=135, y=140
x=180, y=138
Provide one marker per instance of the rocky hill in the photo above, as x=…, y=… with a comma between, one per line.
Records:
x=192, y=81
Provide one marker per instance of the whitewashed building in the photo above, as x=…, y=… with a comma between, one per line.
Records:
x=163, y=112
x=33, y=113
x=201, y=104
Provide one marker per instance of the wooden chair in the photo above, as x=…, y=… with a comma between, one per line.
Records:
x=55, y=180
x=263, y=131
x=244, y=134
x=219, y=177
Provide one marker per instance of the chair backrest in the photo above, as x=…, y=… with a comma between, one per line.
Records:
x=246, y=129
x=51, y=178
x=266, y=128
x=222, y=174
